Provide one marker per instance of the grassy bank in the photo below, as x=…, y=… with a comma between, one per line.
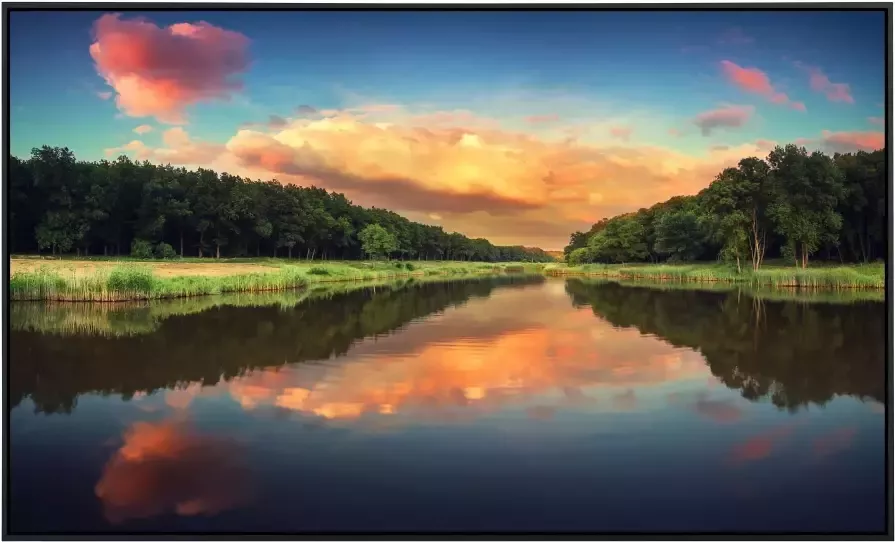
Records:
x=869, y=276
x=130, y=318
x=90, y=280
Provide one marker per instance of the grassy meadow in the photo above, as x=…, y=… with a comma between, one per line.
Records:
x=104, y=279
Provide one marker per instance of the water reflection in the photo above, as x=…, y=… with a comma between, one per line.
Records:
x=211, y=340
x=790, y=353
x=168, y=467
x=510, y=403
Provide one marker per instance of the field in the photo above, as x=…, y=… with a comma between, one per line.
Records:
x=104, y=279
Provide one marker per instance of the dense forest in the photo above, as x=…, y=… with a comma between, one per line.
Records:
x=792, y=205
x=62, y=205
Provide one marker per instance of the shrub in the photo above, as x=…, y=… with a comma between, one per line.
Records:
x=165, y=251
x=409, y=266
x=140, y=248
x=318, y=271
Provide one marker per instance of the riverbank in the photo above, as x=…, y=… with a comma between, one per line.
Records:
x=867, y=276
x=101, y=279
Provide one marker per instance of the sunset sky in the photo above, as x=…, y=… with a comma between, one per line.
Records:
x=520, y=127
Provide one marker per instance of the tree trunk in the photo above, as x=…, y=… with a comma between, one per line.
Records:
x=804, y=256
x=105, y=249
x=258, y=252
x=289, y=254
x=739, y=270
x=181, y=243
x=217, y=251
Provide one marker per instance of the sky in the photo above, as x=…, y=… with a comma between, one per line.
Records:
x=520, y=127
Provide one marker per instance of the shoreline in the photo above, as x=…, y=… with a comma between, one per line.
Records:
x=129, y=281
x=137, y=281
x=867, y=277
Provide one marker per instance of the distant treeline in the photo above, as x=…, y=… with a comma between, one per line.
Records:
x=791, y=205
x=62, y=205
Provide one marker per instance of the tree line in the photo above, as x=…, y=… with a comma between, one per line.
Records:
x=59, y=204
x=792, y=205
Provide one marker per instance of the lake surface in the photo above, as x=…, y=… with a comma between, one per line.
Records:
x=512, y=404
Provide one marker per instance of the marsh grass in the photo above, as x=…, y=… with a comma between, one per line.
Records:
x=130, y=318
x=131, y=281
x=866, y=276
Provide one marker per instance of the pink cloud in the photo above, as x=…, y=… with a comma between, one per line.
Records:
x=853, y=141
x=876, y=120
x=105, y=95
x=143, y=129
x=159, y=71
x=755, y=81
x=835, y=92
x=732, y=116
x=621, y=132
x=540, y=119
x=765, y=144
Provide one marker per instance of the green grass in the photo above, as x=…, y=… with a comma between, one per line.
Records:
x=799, y=295
x=134, y=281
x=865, y=276
x=130, y=318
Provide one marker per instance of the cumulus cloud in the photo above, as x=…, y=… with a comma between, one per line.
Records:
x=104, y=95
x=835, y=92
x=179, y=149
x=733, y=116
x=476, y=176
x=143, y=129
x=755, y=81
x=879, y=121
x=157, y=71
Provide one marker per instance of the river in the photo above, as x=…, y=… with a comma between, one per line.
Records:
x=511, y=404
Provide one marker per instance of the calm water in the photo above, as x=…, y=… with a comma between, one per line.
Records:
x=515, y=404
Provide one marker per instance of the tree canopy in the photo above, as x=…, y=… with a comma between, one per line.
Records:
x=792, y=204
x=62, y=205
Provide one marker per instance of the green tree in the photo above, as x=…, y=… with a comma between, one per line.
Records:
x=808, y=190
x=377, y=241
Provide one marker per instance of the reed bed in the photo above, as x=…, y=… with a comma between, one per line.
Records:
x=868, y=276
x=136, y=282
x=131, y=318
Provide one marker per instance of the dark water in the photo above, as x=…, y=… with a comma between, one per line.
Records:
x=515, y=405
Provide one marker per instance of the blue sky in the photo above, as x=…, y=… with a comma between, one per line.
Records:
x=648, y=74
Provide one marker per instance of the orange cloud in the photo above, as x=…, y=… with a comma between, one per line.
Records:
x=180, y=149
x=143, y=129
x=164, y=467
x=835, y=92
x=159, y=71
x=104, y=95
x=732, y=116
x=469, y=171
x=576, y=356
x=755, y=81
